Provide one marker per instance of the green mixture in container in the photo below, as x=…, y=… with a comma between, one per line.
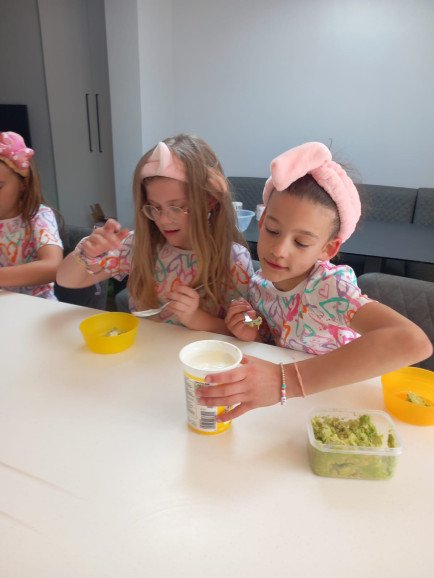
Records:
x=417, y=399
x=339, y=433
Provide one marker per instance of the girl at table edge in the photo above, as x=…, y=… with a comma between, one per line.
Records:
x=309, y=304
x=185, y=236
x=30, y=246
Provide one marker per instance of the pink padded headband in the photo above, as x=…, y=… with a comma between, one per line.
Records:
x=315, y=158
x=164, y=163
x=14, y=153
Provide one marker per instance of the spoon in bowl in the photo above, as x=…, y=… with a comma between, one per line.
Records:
x=151, y=312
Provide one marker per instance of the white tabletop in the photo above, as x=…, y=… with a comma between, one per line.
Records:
x=100, y=477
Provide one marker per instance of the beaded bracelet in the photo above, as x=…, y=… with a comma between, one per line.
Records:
x=283, y=386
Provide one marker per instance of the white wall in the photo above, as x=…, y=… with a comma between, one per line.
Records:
x=22, y=81
x=255, y=78
x=124, y=77
x=252, y=78
x=157, y=87
x=139, y=41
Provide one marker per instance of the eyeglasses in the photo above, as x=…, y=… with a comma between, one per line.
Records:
x=173, y=213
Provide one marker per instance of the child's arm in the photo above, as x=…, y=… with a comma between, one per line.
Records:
x=38, y=272
x=74, y=273
x=388, y=341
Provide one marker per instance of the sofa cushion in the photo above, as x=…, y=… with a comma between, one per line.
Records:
x=424, y=210
x=382, y=203
x=411, y=297
x=248, y=190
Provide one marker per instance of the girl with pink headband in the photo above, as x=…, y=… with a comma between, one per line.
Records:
x=185, y=237
x=30, y=246
x=308, y=303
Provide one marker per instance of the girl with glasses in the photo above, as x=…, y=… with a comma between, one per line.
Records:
x=185, y=236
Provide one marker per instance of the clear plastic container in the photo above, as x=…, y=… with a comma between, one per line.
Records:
x=363, y=462
x=244, y=217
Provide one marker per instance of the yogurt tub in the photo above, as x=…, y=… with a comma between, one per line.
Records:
x=199, y=359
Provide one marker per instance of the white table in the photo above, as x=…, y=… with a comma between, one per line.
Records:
x=100, y=477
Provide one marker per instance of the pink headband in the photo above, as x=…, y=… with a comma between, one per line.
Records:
x=315, y=158
x=164, y=163
x=14, y=153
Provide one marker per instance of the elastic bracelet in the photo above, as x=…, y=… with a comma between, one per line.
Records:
x=87, y=262
x=300, y=381
x=283, y=386
x=78, y=257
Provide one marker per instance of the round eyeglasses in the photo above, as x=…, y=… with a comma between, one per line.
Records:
x=173, y=213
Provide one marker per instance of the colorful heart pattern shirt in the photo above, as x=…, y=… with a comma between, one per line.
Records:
x=314, y=317
x=19, y=246
x=174, y=266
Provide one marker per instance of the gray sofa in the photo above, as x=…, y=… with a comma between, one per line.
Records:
x=412, y=298
x=379, y=203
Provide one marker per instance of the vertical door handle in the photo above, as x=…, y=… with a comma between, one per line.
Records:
x=88, y=122
x=97, y=122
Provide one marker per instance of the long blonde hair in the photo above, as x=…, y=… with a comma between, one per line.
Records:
x=211, y=221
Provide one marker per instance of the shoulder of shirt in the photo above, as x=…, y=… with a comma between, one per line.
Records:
x=44, y=209
x=325, y=269
x=238, y=249
x=45, y=212
x=258, y=279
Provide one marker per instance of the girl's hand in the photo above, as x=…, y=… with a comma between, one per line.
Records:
x=256, y=383
x=185, y=304
x=103, y=239
x=235, y=320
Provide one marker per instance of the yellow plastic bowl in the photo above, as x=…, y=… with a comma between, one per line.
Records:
x=96, y=332
x=396, y=386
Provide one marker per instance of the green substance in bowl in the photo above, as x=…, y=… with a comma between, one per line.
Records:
x=113, y=332
x=358, y=435
x=417, y=399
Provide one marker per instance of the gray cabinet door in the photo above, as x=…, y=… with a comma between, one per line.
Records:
x=75, y=61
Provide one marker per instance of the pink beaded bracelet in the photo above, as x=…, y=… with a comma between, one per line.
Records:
x=283, y=386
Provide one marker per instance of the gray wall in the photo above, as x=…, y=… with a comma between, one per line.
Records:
x=124, y=77
x=255, y=78
x=139, y=41
x=22, y=81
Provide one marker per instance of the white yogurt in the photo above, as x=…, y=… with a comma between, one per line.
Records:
x=212, y=360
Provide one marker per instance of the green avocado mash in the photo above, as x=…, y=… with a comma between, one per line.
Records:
x=417, y=399
x=113, y=332
x=254, y=322
x=336, y=433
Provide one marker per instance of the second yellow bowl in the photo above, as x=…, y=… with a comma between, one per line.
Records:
x=396, y=387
